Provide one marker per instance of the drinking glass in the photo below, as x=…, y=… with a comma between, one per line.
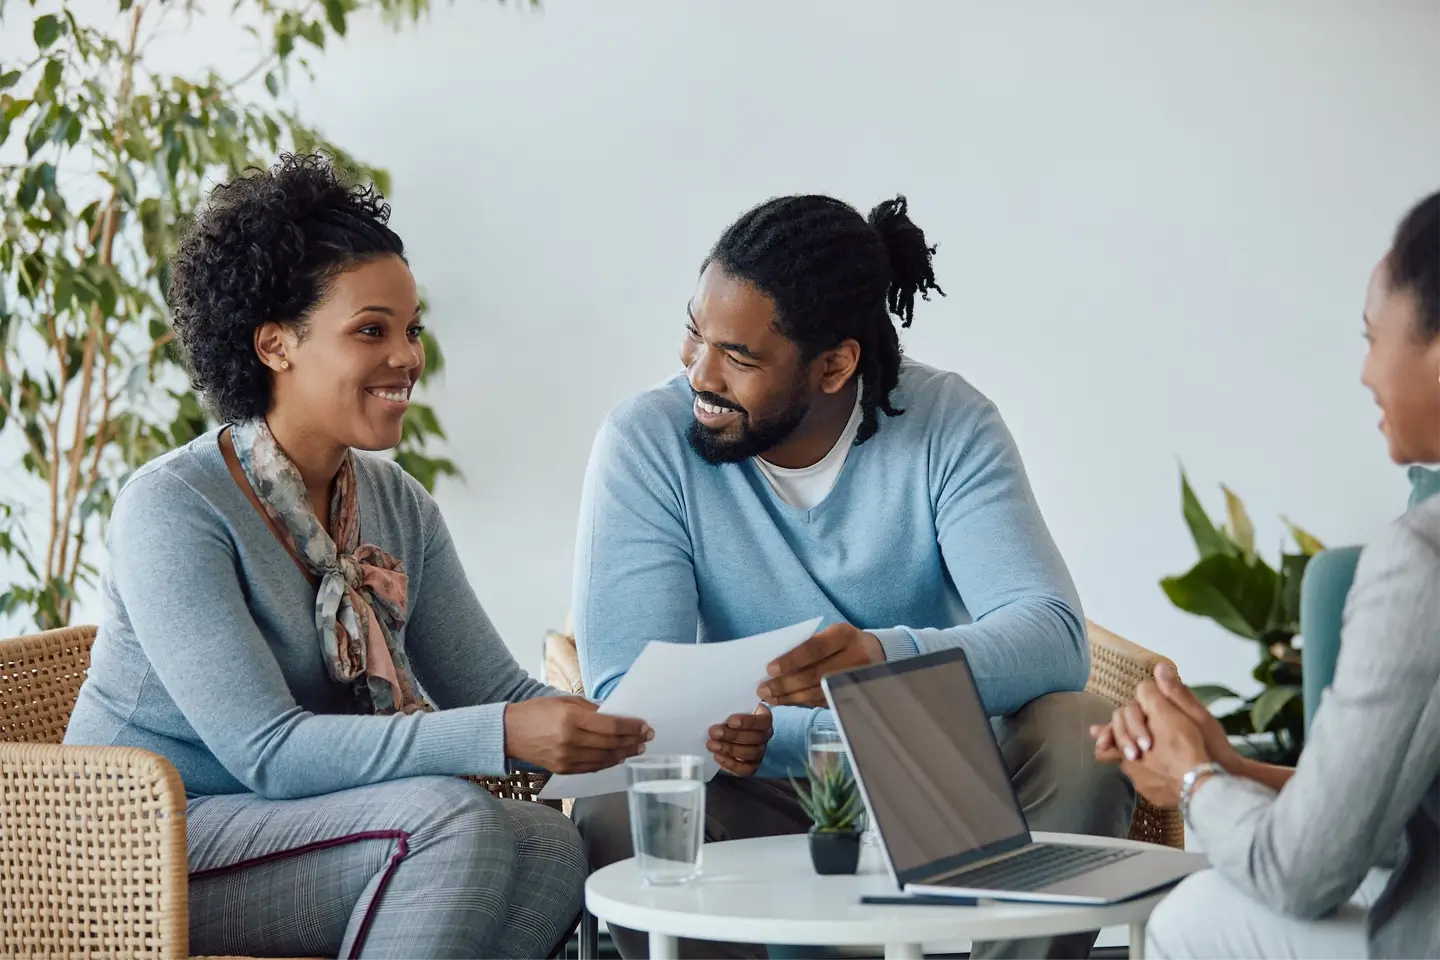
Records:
x=825, y=748
x=667, y=816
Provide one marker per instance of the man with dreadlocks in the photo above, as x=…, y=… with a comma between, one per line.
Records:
x=802, y=466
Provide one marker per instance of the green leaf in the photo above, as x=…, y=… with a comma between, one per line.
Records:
x=1208, y=693
x=315, y=33
x=335, y=14
x=444, y=467
x=1237, y=595
x=426, y=420
x=1292, y=576
x=285, y=36
x=425, y=469
x=72, y=26
x=34, y=432
x=33, y=270
x=74, y=357
x=381, y=179
x=434, y=357
x=9, y=78
x=124, y=182
x=1268, y=705
x=189, y=421
x=50, y=80
x=419, y=467
x=1241, y=531
x=40, y=129
x=1307, y=543
x=60, y=128
x=32, y=181
x=47, y=30
x=1208, y=540
x=272, y=83
x=174, y=154
x=1237, y=724
x=64, y=285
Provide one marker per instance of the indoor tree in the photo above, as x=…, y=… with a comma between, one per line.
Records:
x=103, y=155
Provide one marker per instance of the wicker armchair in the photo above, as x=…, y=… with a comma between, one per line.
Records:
x=1116, y=667
x=92, y=839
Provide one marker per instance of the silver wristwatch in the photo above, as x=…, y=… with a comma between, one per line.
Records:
x=1188, y=782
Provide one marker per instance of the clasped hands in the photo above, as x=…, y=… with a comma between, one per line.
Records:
x=1160, y=735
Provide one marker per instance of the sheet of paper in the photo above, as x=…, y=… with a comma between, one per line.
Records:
x=682, y=690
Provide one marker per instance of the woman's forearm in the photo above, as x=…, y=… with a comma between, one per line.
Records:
x=1266, y=774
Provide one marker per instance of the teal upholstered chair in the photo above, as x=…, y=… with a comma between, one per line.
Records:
x=1327, y=581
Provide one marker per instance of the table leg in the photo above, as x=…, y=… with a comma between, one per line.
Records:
x=904, y=951
x=589, y=936
x=1137, y=940
x=664, y=947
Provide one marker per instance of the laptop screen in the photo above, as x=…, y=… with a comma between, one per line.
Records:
x=925, y=755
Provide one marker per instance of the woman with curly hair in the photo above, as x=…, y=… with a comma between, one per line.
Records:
x=287, y=621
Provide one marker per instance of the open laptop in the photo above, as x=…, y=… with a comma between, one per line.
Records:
x=936, y=785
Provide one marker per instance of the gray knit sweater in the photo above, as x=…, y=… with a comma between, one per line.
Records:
x=207, y=652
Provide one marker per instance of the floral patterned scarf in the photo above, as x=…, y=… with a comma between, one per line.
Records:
x=360, y=605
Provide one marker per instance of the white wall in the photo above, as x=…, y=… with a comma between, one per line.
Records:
x=1155, y=225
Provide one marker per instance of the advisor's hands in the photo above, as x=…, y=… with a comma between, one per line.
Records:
x=739, y=743
x=569, y=735
x=795, y=676
x=1127, y=735
x=1156, y=740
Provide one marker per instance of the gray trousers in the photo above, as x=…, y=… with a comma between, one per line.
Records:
x=1047, y=748
x=1207, y=917
x=428, y=867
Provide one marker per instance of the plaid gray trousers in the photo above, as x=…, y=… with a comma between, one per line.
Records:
x=429, y=867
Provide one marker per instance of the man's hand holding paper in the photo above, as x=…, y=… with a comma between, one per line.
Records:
x=679, y=689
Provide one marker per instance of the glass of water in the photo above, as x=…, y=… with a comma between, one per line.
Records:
x=667, y=816
x=825, y=748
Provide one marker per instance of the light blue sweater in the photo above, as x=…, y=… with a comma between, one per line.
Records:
x=207, y=652
x=931, y=538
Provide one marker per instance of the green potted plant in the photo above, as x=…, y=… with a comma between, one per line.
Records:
x=833, y=804
x=1237, y=589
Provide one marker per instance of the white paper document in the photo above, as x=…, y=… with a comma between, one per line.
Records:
x=682, y=690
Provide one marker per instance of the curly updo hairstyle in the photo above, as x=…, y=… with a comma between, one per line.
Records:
x=264, y=247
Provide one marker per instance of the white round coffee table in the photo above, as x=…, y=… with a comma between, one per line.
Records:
x=765, y=891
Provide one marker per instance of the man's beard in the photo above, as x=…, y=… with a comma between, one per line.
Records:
x=755, y=437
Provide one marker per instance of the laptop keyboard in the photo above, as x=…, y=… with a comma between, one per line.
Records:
x=1038, y=866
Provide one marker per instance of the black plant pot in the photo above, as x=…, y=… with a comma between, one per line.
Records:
x=834, y=853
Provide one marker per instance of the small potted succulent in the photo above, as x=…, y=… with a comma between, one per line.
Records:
x=833, y=804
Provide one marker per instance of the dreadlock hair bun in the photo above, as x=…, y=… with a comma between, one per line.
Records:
x=911, y=268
